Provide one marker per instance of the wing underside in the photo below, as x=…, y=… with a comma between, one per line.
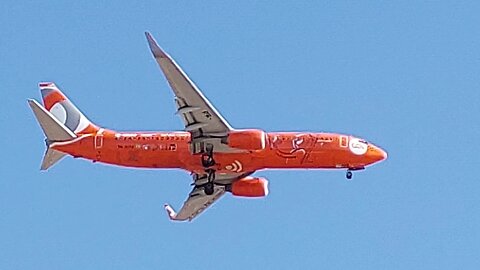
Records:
x=195, y=204
x=207, y=127
x=198, y=201
x=199, y=116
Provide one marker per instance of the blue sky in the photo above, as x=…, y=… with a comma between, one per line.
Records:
x=404, y=75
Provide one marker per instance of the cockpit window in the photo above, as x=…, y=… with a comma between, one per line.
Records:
x=363, y=141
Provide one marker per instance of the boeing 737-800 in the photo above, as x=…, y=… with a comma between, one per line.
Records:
x=220, y=158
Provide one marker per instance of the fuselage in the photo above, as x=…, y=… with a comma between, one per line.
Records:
x=283, y=150
x=219, y=157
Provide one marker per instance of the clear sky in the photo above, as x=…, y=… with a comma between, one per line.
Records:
x=402, y=74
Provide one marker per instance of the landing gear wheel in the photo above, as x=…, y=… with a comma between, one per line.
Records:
x=349, y=175
x=209, y=149
x=207, y=158
x=207, y=161
x=209, y=188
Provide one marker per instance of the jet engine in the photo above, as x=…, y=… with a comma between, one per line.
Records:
x=249, y=187
x=249, y=139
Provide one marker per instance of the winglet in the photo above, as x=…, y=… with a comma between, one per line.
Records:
x=170, y=212
x=156, y=50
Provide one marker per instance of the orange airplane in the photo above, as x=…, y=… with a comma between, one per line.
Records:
x=220, y=158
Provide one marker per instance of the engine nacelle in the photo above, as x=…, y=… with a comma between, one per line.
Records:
x=250, y=187
x=249, y=139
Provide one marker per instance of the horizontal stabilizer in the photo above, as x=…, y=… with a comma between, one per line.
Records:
x=51, y=157
x=53, y=129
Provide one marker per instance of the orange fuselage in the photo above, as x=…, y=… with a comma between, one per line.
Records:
x=283, y=150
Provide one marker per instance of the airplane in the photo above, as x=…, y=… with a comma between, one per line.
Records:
x=220, y=158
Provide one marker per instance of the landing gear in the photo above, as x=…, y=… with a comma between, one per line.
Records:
x=209, y=188
x=207, y=158
x=350, y=171
x=210, y=175
x=207, y=162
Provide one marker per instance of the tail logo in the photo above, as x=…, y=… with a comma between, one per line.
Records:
x=69, y=116
x=64, y=110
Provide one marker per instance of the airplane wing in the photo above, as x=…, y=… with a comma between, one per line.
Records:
x=198, y=200
x=195, y=204
x=205, y=124
x=199, y=116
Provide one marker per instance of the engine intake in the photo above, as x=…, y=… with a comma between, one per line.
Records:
x=249, y=139
x=250, y=187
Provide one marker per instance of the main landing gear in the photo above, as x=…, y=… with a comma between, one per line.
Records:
x=209, y=186
x=349, y=175
x=207, y=158
x=207, y=163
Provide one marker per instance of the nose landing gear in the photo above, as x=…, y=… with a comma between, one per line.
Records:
x=349, y=174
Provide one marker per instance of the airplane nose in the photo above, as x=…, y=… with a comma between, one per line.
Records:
x=378, y=154
x=383, y=153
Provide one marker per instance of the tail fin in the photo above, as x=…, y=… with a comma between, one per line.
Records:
x=64, y=111
x=54, y=130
